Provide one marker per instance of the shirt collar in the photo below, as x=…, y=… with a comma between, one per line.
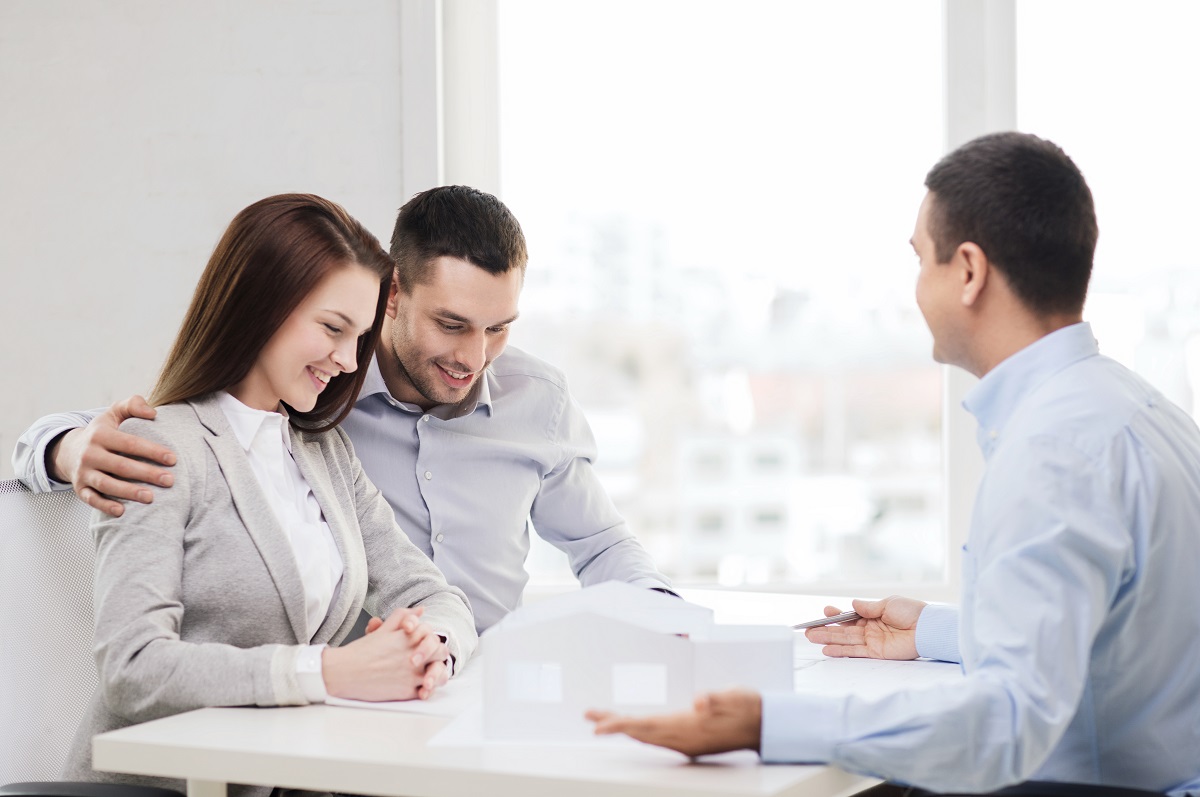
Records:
x=373, y=383
x=480, y=395
x=246, y=422
x=997, y=396
x=483, y=392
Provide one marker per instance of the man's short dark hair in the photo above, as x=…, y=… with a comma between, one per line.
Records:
x=455, y=221
x=1026, y=204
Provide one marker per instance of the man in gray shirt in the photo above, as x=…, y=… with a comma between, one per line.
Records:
x=468, y=439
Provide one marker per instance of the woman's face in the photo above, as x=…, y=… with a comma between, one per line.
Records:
x=318, y=341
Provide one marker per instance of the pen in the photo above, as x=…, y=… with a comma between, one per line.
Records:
x=844, y=617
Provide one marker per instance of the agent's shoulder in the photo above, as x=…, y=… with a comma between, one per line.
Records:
x=1091, y=404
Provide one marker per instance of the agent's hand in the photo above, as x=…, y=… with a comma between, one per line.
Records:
x=103, y=463
x=719, y=722
x=887, y=630
x=400, y=658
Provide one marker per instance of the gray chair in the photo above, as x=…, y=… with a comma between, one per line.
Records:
x=47, y=675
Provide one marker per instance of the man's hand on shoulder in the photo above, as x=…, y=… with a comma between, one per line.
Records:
x=103, y=464
x=887, y=630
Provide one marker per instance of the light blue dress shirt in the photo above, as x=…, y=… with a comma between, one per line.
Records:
x=1079, y=633
x=466, y=486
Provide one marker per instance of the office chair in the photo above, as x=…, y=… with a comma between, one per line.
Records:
x=47, y=675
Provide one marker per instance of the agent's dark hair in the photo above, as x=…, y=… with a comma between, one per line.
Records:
x=273, y=254
x=1026, y=204
x=455, y=221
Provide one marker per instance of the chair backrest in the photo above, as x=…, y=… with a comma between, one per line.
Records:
x=47, y=674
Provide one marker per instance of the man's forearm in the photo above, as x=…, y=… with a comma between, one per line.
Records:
x=624, y=561
x=31, y=457
x=50, y=459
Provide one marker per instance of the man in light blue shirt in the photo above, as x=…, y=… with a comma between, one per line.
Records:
x=469, y=440
x=1078, y=631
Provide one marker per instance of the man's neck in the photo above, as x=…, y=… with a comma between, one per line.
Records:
x=1012, y=336
x=394, y=378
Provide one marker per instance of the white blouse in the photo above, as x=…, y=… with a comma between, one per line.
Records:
x=265, y=438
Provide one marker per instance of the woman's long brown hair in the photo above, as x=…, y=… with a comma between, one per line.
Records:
x=272, y=255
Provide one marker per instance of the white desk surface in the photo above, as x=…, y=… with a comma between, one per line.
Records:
x=357, y=751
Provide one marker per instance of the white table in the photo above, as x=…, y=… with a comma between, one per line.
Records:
x=359, y=751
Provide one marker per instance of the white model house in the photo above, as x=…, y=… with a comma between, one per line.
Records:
x=621, y=647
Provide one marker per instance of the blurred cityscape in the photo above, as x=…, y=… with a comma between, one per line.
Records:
x=750, y=434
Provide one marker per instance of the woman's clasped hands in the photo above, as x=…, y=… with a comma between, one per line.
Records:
x=400, y=658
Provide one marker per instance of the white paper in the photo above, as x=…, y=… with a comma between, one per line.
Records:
x=871, y=678
x=466, y=730
x=459, y=694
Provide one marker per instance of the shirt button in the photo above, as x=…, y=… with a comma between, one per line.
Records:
x=440, y=537
x=993, y=434
x=425, y=418
x=428, y=474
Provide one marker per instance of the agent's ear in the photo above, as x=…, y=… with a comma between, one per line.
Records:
x=974, y=267
x=393, y=296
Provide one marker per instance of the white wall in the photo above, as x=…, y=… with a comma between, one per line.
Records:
x=131, y=132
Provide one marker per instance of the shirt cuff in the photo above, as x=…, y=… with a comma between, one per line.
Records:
x=937, y=633
x=41, y=471
x=650, y=582
x=309, y=673
x=799, y=728
x=449, y=662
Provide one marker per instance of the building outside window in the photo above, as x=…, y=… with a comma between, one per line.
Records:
x=718, y=200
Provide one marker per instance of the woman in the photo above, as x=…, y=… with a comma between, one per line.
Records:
x=226, y=588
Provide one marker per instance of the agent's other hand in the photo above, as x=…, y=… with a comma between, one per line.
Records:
x=104, y=464
x=887, y=630
x=425, y=657
x=718, y=722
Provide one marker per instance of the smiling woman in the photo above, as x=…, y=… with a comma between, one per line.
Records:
x=321, y=339
x=271, y=540
x=268, y=272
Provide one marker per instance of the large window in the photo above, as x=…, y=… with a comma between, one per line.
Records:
x=718, y=200
x=1115, y=86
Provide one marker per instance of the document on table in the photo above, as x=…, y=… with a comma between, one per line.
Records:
x=871, y=677
x=460, y=693
x=466, y=730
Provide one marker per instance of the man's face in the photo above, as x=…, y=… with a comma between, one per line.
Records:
x=446, y=331
x=939, y=295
